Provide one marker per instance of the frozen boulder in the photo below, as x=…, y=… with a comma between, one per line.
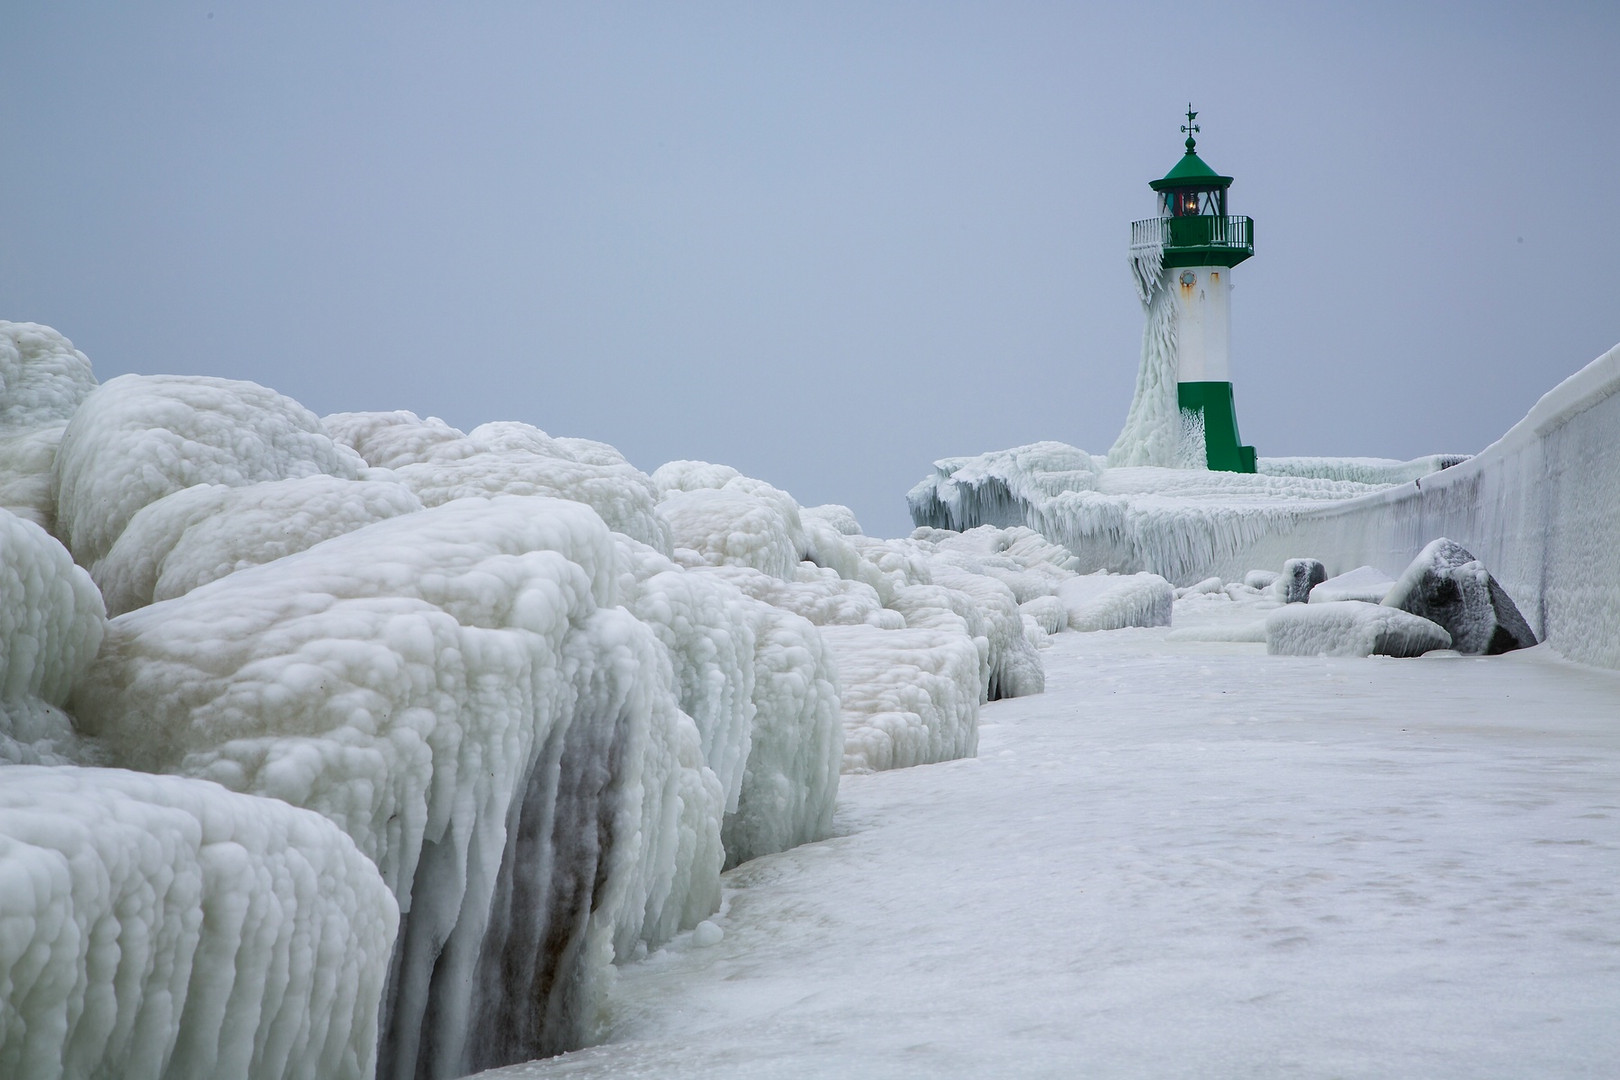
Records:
x=458, y=691
x=1113, y=601
x=1210, y=586
x=1448, y=585
x=1364, y=583
x=138, y=438
x=910, y=697
x=43, y=378
x=1298, y=578
x=205, y=532
x=51, y=624
x=1350, y=628
x=1048, y=612
x=725, y=527
x=1261, y=579
x=790, y=785
x=156, y=927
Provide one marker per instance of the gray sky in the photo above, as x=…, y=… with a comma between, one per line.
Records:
x=825, y=243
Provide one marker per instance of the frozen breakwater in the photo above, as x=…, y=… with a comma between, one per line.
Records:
x=1538, y=507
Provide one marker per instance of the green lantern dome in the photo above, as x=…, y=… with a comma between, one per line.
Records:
x=1191, y=171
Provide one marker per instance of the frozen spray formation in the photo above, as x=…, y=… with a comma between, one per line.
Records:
x=158, y=927
x=509, y=703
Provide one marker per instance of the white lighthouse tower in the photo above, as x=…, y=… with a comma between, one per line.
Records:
x=1183, y=261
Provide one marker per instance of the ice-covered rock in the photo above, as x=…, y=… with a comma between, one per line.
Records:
x=910, y=697
x=1261, y=579
x=456, y=690
x=51, y=625
x=202, y=533
x=1351, y=628
x=1114, y=601
x=43, y=378
x=1449, y=586
x=1049, y=613
x=138, y=438
x=1365, y=583
x=727, y=527
x=1298, y=578
x=441, y=464
x=815, y=593
x=1210, y=586
x=790, y=784
x=159, y=927
x=839, y=516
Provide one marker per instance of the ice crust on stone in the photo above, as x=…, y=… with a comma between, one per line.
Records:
x=51, y=625
x=202, y=533
x=911, y=697
x=43, y=378
x=761, y=690
x=456, y=690
x=159, y=927
x=440, y=464
x=1351, y=628
x=733, y=528
x=1446, y=584
x=138, y=438
x=1112, y=601
x=1298, y=578
x=1365, y=583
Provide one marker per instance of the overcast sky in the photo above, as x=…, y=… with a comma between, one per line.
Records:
x=826, y=243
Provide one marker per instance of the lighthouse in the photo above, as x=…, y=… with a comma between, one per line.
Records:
x=1183, y=261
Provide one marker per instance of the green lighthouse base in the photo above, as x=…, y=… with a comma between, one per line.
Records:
x=1213, y=401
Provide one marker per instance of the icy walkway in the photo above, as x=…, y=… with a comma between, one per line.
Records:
x=1186, y=860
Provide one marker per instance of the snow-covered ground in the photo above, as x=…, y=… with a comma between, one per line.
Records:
x=1186, y=859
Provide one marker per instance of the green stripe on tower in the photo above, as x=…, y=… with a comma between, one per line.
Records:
x=1214, y=401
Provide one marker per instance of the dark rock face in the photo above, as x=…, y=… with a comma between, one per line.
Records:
x=1299, y=577
x=1447, y=585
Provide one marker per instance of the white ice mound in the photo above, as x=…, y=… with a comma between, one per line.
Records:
x=815, y=593
x=1114, y=601
x=28, y=471
x=51, y=624
x=43, y=378
x=790, y=785
x=910, y=697
x=456, y=691
x=440, y=464
x=763, y=693
x=730, y=527
x=1364, y=583
x=138, y=438
x=203, y=533
x=158, y=927
x=51, y=616
x=1350, y=628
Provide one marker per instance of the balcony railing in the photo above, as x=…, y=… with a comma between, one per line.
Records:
x=1200, y=231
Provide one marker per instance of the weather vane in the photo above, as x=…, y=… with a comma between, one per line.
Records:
x=1190, y=128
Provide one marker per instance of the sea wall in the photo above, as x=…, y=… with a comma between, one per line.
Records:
x=1540, y=506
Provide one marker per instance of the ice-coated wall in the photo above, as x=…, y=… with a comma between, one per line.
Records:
x=1540, y=508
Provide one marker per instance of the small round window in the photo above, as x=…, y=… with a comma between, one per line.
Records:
x=1188, y=277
